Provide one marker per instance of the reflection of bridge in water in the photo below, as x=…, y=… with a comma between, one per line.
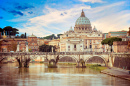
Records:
x=53, y=57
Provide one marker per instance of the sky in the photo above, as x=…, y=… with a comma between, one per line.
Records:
x=46, y=17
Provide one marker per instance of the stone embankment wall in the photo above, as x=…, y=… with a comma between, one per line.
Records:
x=122, y=62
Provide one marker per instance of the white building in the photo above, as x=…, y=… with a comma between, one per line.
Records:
x=82, y=38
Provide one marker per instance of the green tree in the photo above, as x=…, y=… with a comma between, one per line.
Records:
x=47, y=48
x=8, y=30
x=50, y=37
x=14, y=31
x=22, y=36
x=110, y=41
x=30, y=50
x=58, y=35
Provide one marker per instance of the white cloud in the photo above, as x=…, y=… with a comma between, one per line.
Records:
x=92, y=1
x=105, y=18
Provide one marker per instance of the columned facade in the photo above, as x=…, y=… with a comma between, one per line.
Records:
x=82, y=38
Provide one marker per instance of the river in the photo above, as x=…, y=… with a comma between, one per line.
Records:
x=65, y=75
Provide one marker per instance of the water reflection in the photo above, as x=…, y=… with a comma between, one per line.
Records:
x=38, y=75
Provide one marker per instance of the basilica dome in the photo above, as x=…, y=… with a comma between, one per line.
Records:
x=82, y=24
x=82, y=21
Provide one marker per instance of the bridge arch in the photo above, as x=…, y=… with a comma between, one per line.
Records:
x=105, y=61
x=66, y=56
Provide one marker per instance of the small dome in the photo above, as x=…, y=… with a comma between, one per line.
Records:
x=94, y=29
x=32, y=35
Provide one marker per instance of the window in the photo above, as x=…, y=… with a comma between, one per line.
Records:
x=68, y=46
x=90, y=46
x=90, y=40
x=98, y=34
x=74, y=46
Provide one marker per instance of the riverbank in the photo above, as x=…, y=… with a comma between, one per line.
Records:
x=92, y=66
x=96, y=67
x=117, y=72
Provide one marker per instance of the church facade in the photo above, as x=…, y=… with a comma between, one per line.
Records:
x=82, y=38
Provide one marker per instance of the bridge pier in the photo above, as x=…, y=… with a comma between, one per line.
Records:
x=53, y=62
x=81, y=64
x=23, y=62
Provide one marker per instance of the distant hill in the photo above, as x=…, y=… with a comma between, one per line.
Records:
x=52, y=36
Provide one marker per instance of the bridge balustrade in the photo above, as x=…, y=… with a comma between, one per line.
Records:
x=51, y=53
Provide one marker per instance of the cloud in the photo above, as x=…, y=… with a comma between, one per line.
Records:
x=14, y=12
x=24, y=7
x=1, y=17
x=105, y=18
x=30, y=12
x=92, y=1
x=53, y=21
x=3, y=8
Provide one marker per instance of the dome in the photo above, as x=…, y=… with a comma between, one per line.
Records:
x=82, y=21
x=82, y=24
x=32, y=35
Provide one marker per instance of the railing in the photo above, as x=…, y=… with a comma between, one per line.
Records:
x=52, y=53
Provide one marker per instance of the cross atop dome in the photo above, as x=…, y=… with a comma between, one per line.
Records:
x=82, y=14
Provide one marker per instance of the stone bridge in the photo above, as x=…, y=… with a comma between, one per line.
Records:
x=53, y=57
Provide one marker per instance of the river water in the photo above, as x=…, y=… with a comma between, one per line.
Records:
x=39, y=75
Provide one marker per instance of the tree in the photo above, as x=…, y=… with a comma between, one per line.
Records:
x=25, y=35
x=110, y=41
x=58, y=35
x=47, y=48
x=30, y=50
x=14, y=31
x=50, y=37
x=22, y=36
x=8, y=30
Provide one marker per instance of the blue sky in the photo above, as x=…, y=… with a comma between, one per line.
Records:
x=45, y=17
